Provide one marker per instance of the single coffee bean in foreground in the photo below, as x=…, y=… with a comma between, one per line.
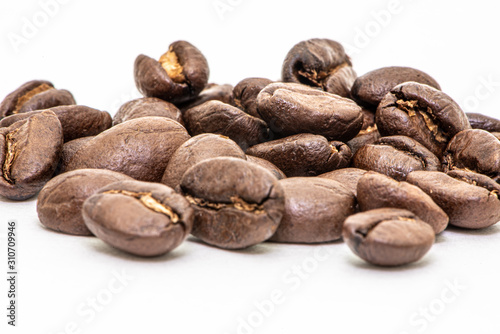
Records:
x=59, y=203
x=423, y=113
x=29, y=154
x=197, y=149
x=369, y=89
x=139, y=148
x=474, y=150
x=315, y=210
x=320, y=63
x=34, y=95
x=245, y=94
x=469, y=199
x=304, y=154
x=388, y=236
x=395, y=156
x=291, y=108
x=236, y=203
x=141, y=218
x=483, y=122
x=147, y=106
x=380, y=191
x=180, y=74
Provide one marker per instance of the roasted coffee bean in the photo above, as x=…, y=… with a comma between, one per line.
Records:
x=395, y=156
x=180, y=74
x=369, y=89
x=380, y=191
x=469, y=199
x=197, y=149
x=223, y=93
x=315, y=210
x=29, y=153
x=291, y=108
x=388, y=236
x=34, y=95
x=474, y=150
x=141, y=218
x=303, y=154
x=423, y=113
x=221, y=118
x=245, y=94
x=267, y=165
x=68, y=150
x=76, y=121
x=147, y=106
x=59, y=203
x=237, y=203
x=140, y=148
x=320, y=63
x=483, y=122
x=349, y=177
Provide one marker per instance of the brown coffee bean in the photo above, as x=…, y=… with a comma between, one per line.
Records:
x=221, y=118
x=29, y=153
x=180, y=74
x=141, y=218
x=315, y=210
x=59, y=203
x=423, y=113
x=197, y=149
x=237, y=203
x=147, y=106
x=474, y=150
x=483, y=122
x=370, y=88
x=267, y=165
x=469, y=199
x=395, y=156
x=291, y=109
x=387, y=236
x=68, y=150
x=320, y=63
x=380, y=191
x=212, y=92
x=76, y=121
x=364, y=137
x=303, y=154
x=245, y=94
x=349, y=177
x=139, y=148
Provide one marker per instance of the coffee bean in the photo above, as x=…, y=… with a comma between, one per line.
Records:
x=34, y=95
x=380, y=191
x=423, y=113
x=303, y=154
x=320, y=63
x=59, y=203
x=474, y=150
x=221, y=118
x=212, y=92
x=349, y=177
x=469, y=199
x=245, y=94
x=76, y=121
x=29, y=153
x=315, y=210
x=365, y=137
x=369, y=89
x=141, y=218
x=267, y=165
x=291, y=109
x=237, y=203
x=180, y=74
x=395, y=156
x=197, y=149
x=139, y=148
x=147, y=106
x=483, y=122
x=388, y=236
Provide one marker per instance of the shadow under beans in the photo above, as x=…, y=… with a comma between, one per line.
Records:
x=361, y=264
x=261, y=248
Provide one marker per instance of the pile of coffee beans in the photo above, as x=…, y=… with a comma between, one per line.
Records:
x=384, y=161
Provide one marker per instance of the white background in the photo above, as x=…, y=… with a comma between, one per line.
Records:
x=89, y=48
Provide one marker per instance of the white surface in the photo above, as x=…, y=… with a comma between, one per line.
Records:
x=89, y=48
